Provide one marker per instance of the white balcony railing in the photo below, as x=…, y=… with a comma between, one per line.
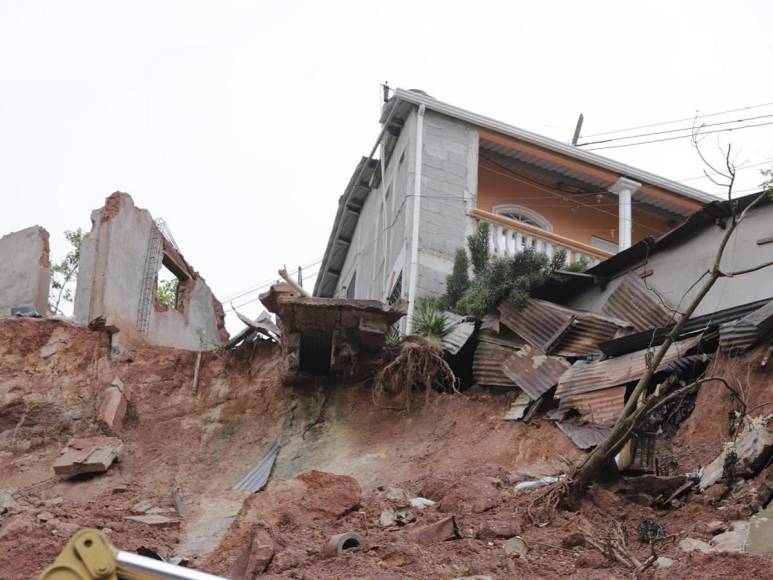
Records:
x=509, y=237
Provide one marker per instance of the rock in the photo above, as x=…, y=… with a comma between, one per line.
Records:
x=592, y=561
x=7, y=503
x=261, y=553
x=474, y=494
x=157, y=510
x=760, y=534
x=445, y=529
x=758, y=492
x=493, y=529
x=288, y=559
x=421, y=502
x=691, y=545
x=142, y=506
x=112, y=410
x=88, y=455
x=663, y=562
x=54, y=502
x=49, y=349
x=715, y=493
x=753, y=449
x=397, y=495
x=716, y=527
x=45, y=516
x=733, y=540
x=154, y=520
x=573, y=540
x=515, y=547
x=387, y=518
x=340, y=542
x=404, y=516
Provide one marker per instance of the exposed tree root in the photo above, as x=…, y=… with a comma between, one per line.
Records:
x=409, y=379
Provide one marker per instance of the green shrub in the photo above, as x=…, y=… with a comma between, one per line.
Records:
x=458, y=281
x=479, y=249
x=429, y=320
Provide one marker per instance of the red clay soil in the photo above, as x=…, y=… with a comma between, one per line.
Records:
x=457, y=451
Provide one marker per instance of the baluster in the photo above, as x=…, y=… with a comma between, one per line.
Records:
x=518, y=242
x=495, y=239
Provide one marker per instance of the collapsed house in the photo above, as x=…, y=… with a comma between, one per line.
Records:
x=325, y=336
x=25, y=277
x=118, y=273
x=578, y=349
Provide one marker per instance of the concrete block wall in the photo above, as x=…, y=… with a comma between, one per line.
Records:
x=449, y=178
x=111, y=283
x=379, y=246
x=25, y=277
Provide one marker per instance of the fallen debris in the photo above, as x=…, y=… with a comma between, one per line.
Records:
x=154, y=520
x=441, y=531
x=257, y=477
x=515, y=547
x=340, y=542
x=752, y=451
x=88, y=455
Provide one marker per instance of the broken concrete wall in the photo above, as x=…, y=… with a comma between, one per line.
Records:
x=120, y=261
x=25, y=277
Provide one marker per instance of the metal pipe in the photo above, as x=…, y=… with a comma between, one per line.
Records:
x=135, y=567
x=416, y=219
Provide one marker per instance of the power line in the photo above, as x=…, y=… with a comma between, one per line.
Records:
x=679, y=120
x=705, y=175
x=263, y=284
x=691, y=128
x=251, y=300
x=679, y=137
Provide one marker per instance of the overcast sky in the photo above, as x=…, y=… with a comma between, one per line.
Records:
x=240, y=123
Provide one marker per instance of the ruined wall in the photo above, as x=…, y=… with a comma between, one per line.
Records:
x=25, y=277
x=449, y=181
x=120, y=260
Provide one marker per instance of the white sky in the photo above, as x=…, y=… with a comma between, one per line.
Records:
x=240, y=123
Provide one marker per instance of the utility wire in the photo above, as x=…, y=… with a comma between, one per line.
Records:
x=679, y=137
x=263, y=284
x=679, y=120
x=691, y=128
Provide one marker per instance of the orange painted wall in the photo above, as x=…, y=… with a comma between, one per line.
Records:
x=570, y=219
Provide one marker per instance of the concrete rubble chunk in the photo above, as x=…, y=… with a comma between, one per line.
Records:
x=515, y=547
x=753, y=450
x=733, y=540
x=155, y=520
x=112, y=410
x=663, y=562
x=760, y=533
x=421, y=502
x=691, y=545
x=445, y=529
x=88, y=455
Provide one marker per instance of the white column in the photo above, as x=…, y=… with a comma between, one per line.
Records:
x=624, y=188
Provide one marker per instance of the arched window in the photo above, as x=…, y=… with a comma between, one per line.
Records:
x=524, y=215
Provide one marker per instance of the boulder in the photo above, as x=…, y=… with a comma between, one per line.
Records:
x=760, y=535
x=753, y=449
x=692, y=545
x=732, y=540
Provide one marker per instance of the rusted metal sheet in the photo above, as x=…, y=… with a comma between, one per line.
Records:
x=585, y=333
x=600, y=407
x=518, y=408
x=257, y=477
x=739, y=335
x=585, y=377
x=487, y=364
x=584, y=435
x=534, y=372
x=462, y=328
x=632, y=301
x=559, y=330
x=538, y=322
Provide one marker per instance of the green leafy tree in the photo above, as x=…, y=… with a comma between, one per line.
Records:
x=458, y=280
x=479, y=249
x=65, y=272
x=167, y=292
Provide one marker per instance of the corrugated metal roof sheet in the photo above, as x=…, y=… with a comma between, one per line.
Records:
x=584, y=377
x=739, y=335
x=538, y=322
x=257, y=477
x=602, y=406
x=560, y=330
x=534, y=372
x=584, y=435
x=487, y=364
x=585, y=333
x=462, y=328
x=632, y=301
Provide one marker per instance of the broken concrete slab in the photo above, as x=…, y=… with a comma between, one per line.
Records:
x=155, y=520
x=760, y=533
x=88, y=455
x=25, y=277
x=752, y=449
x=692, y=545
x=441, y=531
x=732, y=540
x=112, y=409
